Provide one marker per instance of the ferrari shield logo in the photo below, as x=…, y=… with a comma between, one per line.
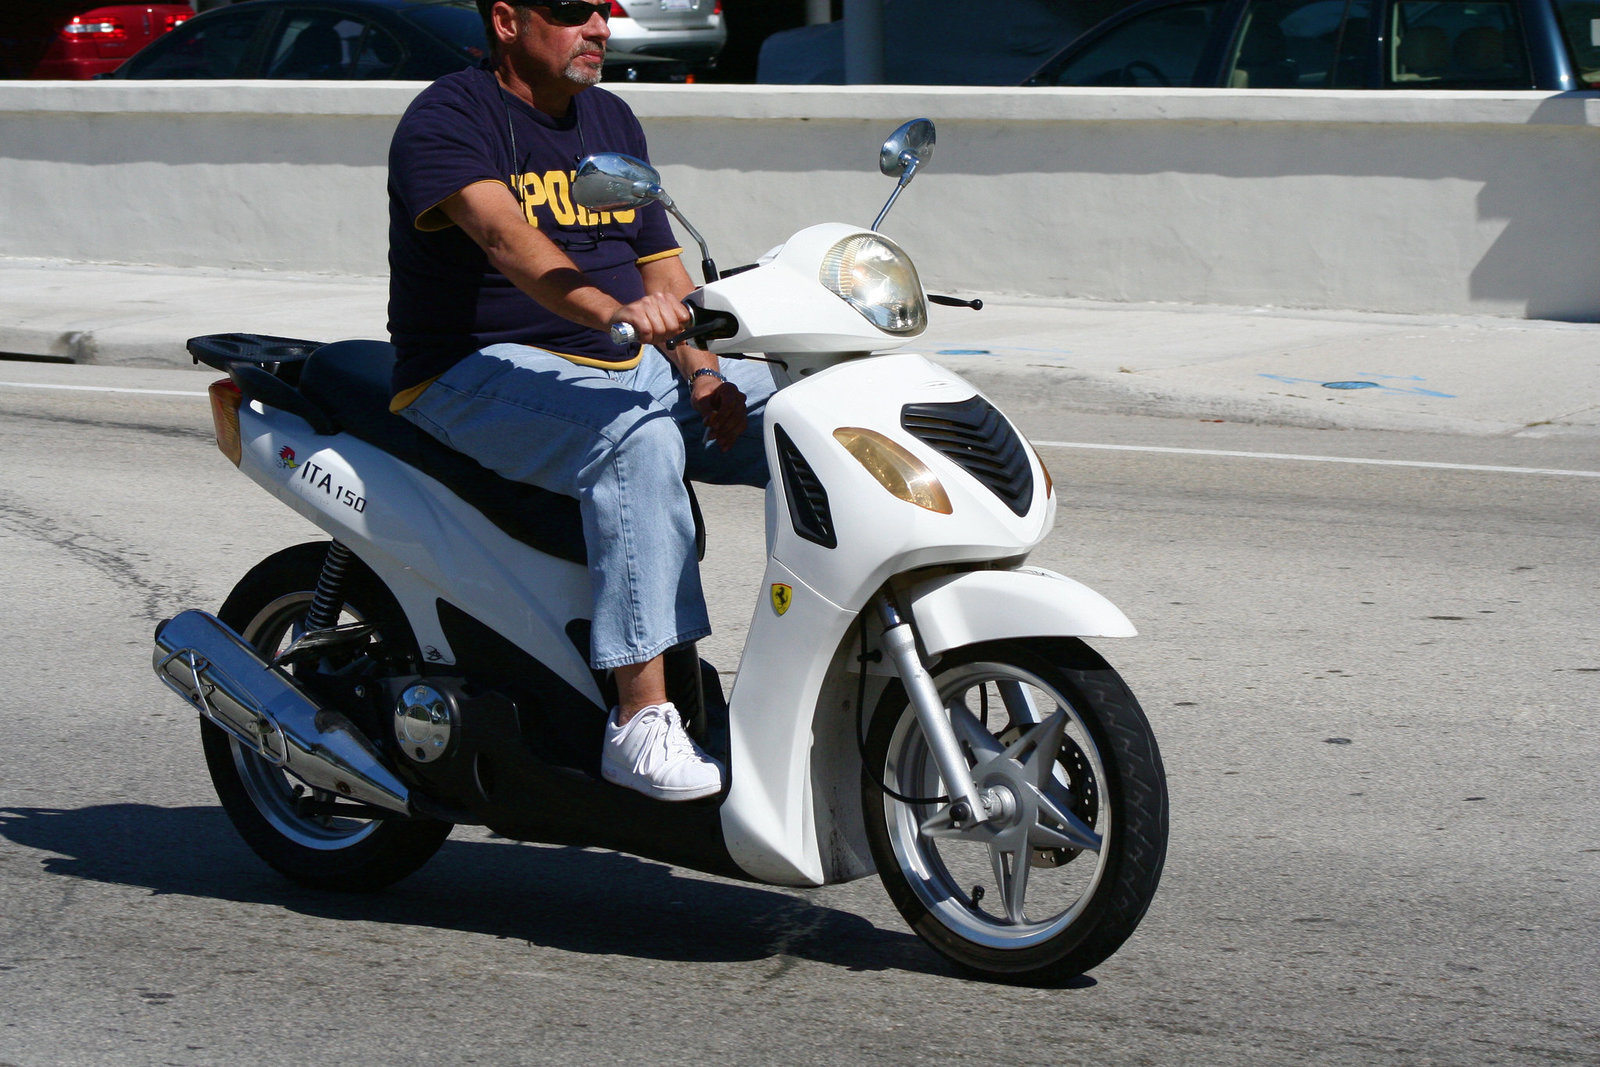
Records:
x=781, y=597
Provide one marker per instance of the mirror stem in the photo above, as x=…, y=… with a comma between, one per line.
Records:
x=905, y=179
x=708, y=269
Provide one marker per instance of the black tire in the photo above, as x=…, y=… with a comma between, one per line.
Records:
x=1074, y=906
x=325, y=853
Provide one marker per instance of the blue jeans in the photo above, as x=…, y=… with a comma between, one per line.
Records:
x=621, y=443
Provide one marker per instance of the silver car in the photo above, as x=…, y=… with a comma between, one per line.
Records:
x=687, y=30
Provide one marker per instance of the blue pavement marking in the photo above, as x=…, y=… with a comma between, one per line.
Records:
x=1368, y=382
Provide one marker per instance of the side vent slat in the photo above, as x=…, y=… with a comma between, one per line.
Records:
x=802, y=489
x=974, y=435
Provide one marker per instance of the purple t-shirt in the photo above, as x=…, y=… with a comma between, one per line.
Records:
x=445, y=300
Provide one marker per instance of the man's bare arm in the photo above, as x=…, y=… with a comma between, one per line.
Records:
x=489, y=214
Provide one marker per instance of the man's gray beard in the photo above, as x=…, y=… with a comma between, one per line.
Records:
x=580, y=74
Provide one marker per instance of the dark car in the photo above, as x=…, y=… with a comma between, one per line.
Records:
x=79, y=38
x=1339, y=44
x=938, y=42
x=407, y=40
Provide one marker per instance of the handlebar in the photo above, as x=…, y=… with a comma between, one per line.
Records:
x=703, y=324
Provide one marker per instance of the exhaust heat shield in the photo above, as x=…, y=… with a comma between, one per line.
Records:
x=265, y=710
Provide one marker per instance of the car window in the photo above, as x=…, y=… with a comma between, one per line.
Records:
x=1580, y=25
x=1161, y=47
x=330, y=45
x=458, y=25
x=218, y=47
x=379, y=55
x=1301, y=44
x=1457, y=44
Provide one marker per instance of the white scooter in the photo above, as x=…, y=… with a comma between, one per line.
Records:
x=912, y=698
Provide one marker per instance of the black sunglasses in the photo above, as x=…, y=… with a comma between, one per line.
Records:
x=570, y=12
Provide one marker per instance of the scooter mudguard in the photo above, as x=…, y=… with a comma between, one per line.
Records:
x=973, y=606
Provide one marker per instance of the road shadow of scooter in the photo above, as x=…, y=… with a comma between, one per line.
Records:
x=564, y=898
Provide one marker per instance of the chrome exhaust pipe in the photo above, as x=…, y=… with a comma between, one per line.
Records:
x=266, y=711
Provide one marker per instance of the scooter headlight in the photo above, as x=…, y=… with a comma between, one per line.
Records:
x=872, y=275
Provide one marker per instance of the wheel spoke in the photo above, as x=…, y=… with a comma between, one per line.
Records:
x=1073, y=832
x=1036, y=750
x=1011, y=876
x=1018, y=701
x=941, y=825
x=973, y=732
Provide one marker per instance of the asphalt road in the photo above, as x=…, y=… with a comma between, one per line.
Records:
x=1374, y=685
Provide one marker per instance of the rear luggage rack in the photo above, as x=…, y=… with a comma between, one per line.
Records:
x=266, y=369
x=282, y=357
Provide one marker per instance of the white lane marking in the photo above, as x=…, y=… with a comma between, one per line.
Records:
x=97, y=389
x=1321, y=459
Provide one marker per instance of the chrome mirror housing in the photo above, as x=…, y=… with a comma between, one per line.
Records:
x=611, y=181
x=907, y=149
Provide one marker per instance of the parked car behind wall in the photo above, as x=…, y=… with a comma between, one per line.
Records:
x=339, y=40
x=78, y=38
x=690, y=31
x=1339, y=44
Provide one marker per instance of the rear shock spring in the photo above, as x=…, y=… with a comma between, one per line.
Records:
x=328, y=600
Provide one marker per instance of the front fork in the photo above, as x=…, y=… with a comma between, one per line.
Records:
x=900, y=642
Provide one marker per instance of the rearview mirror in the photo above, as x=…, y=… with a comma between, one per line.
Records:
x=907, y=148
x=611, y=181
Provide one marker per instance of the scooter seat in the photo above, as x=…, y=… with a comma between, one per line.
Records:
x=350, y=381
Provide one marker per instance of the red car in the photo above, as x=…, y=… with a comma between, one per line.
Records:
x=78, y=38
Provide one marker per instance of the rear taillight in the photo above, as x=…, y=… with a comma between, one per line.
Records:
x=94, y=28
x=225, y=403
x=716, y=8
x=616, y=10
x=172, y=22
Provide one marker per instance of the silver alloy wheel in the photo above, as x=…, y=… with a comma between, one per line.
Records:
x=1042, y=859
x=275, y=793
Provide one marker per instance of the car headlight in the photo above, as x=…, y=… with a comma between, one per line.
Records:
x=872, y=275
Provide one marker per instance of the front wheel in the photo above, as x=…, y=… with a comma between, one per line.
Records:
x=1059, y=875
x=268, y=608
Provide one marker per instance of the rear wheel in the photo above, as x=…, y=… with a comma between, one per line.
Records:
x=1057, y=879
x=267, y=608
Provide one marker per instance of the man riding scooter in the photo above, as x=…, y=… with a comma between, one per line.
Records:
x=501, y=293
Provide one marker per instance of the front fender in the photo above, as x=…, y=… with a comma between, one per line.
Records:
x=972, y=606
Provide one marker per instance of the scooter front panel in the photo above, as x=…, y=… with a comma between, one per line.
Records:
x=876, y=534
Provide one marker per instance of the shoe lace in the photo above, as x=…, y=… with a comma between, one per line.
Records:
x=675, y=739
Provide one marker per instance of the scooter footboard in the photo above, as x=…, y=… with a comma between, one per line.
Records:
x=972, y=606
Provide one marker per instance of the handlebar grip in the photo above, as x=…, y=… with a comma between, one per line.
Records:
x=623, y=333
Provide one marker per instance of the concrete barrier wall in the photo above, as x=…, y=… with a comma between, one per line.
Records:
x=1454, y=203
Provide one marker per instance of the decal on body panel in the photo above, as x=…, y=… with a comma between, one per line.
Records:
x=318, y=478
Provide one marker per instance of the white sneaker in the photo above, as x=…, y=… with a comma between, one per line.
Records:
x=655, y=756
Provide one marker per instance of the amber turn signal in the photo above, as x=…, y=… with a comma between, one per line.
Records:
x=225, y=401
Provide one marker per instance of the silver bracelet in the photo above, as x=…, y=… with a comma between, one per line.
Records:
x=706, y=370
